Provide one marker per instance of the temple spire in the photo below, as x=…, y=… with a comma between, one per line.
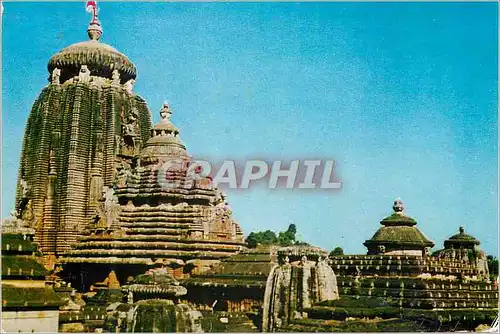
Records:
x=94, y=30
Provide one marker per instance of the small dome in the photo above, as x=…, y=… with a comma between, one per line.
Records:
x=155, y=282
x=461, y=240
x=405, y=235
x=164, y=141
x=100, y=58
x=399, y=232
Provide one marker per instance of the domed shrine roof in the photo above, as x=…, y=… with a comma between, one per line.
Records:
x=461, y=240
x=398, y=232
x=156, y=282
x=101, y=59
x=164, y=141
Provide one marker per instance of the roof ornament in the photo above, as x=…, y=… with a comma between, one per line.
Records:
x=398, y=206
x=461, y=229
x=94, y=30
x=165, y=112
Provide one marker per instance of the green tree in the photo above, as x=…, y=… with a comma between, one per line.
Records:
x=287, y=238
x=492, y=266
x=284, y=238
x=337, y=251
x=264, y=238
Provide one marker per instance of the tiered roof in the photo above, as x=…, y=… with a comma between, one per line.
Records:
x=162, y=216
x=23, y=276
x=399, y=232
x=461, y=240
x=249, y=268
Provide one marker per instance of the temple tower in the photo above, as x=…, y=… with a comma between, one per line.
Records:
x=84, y=123
x=158, y=215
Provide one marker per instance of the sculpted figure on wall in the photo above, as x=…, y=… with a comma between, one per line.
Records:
x=55, y=77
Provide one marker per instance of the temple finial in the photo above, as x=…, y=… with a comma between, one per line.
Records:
x=398, y=206
x=461, y=229
x=165, y=112
x=94, y=30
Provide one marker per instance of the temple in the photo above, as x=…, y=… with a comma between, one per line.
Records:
x=85, y=123
x=117, y=229
x=144, y=223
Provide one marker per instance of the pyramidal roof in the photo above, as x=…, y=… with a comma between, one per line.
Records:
x=398, y=232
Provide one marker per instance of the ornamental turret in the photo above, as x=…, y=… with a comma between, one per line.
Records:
x=398, y=235
x=85, y=123
x=465, y=248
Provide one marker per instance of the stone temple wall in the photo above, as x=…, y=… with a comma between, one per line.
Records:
x=74, y=134
x=415, y=282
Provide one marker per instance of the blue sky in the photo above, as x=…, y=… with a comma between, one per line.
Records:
x=403, y=96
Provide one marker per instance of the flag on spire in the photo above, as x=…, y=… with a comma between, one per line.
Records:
x=91, y=7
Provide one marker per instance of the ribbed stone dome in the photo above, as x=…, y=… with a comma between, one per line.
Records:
x=404, y=235
x=398, y=233
x=101, y=59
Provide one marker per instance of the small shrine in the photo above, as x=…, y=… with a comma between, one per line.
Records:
x=398, y=235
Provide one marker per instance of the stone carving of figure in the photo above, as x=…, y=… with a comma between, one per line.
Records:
x=115, y=77
x=27, y=213
x=128, y=143
x=381, y=249
x=221, y=217
x=24, y=188
x=84, y=74
x=106, y=210
x=129, y=123
x=118, y=144
x=129, y=86
x=427, y=251
x=55, y=78
x=123, y=174
x=25, y=210
x=128, y=129
x=110, y=205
